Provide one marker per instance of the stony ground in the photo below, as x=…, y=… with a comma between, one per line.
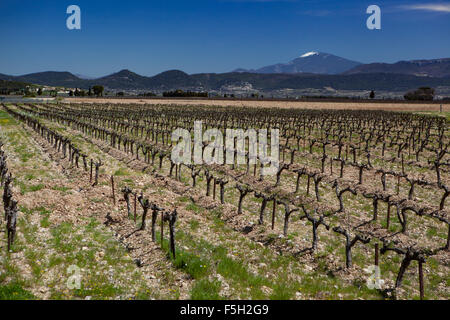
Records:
x=66, y=222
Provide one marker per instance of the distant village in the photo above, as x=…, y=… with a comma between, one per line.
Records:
x=244, y=91
x=35, y=91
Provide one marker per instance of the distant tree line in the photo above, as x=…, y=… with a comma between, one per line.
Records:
x=77, y=93
x=95, y=90
x=181, y=93
x=147, y=94
x=422, y=94
x=228, y=95
x=8, y=87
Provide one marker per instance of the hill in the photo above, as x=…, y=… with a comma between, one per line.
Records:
x=424, y=68
x=175, y=79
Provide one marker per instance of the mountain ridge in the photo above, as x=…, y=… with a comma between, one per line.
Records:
x=426, y=68
x=177, y=79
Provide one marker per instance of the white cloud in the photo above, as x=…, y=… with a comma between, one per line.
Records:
x=436, y=7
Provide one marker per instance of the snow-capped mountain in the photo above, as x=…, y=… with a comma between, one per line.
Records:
x=309, y=54
x=310, y=62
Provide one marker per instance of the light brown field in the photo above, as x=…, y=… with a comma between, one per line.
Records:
x=277, y=104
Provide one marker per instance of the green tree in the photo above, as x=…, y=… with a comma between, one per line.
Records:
x=98, y=90
x=423, y=94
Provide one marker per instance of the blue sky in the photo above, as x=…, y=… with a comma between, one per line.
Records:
x=195, y=36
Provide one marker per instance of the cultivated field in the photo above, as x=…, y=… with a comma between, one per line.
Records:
x=417, y=107
x=97, y=198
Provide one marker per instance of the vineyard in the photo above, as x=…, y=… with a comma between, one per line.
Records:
x=359, y=198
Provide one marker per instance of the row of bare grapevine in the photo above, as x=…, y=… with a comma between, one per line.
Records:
x=9, y=203
x=146, y=130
